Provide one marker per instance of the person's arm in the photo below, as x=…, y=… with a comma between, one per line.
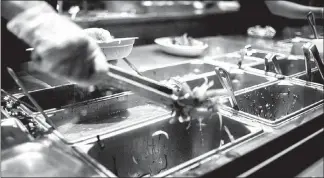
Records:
x=62, y=48
x=10, y=9
x=293, y=10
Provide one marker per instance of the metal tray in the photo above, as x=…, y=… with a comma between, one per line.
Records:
x=276, y=102
x=183, y=70
x=89, y=118
x=316, y=77
x=234, y=58
x=240, y=80
x=288, y=66
x=64, y=95
x=85, y=118
x=137, y=151
x=37, y=160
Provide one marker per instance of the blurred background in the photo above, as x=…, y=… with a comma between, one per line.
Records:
x=152, y=19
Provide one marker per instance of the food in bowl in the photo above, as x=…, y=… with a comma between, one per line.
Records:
x=113, y=48
x=99, y=34
x=186, y=40
x=182, y=46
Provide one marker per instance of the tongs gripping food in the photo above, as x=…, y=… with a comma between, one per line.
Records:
x=149, y=89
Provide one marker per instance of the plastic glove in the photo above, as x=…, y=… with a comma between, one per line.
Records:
x=61, y=48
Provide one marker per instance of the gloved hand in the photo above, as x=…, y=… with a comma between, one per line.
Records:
x=61, y=48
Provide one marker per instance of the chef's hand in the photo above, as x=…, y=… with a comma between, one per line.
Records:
x=61, y=48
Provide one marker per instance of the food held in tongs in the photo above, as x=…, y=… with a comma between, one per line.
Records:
x=185, y=103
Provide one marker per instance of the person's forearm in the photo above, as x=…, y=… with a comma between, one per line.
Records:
x=10, y=9
x=293, y=10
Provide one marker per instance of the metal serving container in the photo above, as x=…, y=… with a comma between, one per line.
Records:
x=184, y=70
x=240, y=79
x=252, y=57
x=37, y=159
x=288, y=66
x=79, y=114
x=92, y=117
x=316, y=77
x=275, y=102
x=158, y=148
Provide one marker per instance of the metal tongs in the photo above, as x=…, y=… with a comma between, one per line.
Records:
x=131, y=65
x=272, y=57
x=225, y=80
x=309, y=50
x=149, y=89
x=312, y=23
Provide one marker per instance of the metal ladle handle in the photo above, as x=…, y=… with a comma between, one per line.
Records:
x=311, y=49
x=25, y=91
x=242, y=54
x=312, y=23
x=273, y=58
x=131, y=65
x=225, y=80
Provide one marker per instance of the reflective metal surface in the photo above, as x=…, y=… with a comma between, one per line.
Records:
x=183, y=70
x=315, y=77
x=288, y=67
x=155, y=148
x=235, y=59
x=37, y=160
x=13, y=132
x=279, y=101
x=62, y=96
x=240, y=80
x=87, y=119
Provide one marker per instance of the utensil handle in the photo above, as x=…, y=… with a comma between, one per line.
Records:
x=225, y=80
x=132, y=66
x=311, y=49
x=143, y=86
x=312, y=23
x=272, y=57
x=307, y=62
x=25, y=91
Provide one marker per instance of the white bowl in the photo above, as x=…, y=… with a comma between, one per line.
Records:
x=166, y=45
x=117, y=48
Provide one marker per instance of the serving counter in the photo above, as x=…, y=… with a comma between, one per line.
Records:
x=122, y=134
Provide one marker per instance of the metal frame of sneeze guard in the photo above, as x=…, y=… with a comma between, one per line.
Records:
x=317, y=106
